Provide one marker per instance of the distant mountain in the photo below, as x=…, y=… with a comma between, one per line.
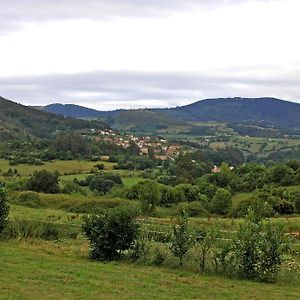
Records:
x=19, y=120
x=263, y=111
x=256, y=111
x=76, y=111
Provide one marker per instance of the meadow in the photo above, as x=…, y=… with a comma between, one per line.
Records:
x=64, y=167
x=63, y=271
x=60, y=267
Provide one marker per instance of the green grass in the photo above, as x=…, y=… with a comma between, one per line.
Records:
x=130, y=181
x=69, y=203
x=43, y=214
x=62, y=166
x=44, y=270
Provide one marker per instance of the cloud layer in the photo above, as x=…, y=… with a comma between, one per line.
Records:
x=111, y=90
x=16, y=13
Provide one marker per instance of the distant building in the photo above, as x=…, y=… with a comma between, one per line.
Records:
x=161, y=157
x=216, y=169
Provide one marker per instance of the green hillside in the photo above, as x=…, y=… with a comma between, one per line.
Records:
x=257, y=111
x=263, y=111
x=17, y=120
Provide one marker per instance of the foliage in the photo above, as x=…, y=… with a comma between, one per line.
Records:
x=101, y=182
x=170, y=195
x=221, y=201
x=182, y=238
x=72, y=188
x=43, y=181
x=73, y=143
x=206, y=241
x=111, y=233
x=4, y=209
x=25, y=121
x=149, y=195
x=25, y=229
x=257, y=251
x=193, y=209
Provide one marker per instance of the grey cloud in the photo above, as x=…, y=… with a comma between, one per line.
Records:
x=110, y=90
x=15, y=13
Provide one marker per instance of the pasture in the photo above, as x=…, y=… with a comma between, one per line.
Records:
x=63, y=271
x=64, y=167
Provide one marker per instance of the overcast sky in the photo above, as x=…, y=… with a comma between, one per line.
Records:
x=108, y=54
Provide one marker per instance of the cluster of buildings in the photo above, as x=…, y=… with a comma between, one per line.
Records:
x=160, y=148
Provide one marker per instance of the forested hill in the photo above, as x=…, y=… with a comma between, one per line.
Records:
x=19, y=120
x=264, y=111
x=76, y=111
x=257, y=111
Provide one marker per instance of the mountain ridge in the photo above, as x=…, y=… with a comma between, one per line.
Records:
x=17, y=120
x=266, y=111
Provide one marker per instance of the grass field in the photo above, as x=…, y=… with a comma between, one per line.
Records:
x=63, y=166
x=44, y=270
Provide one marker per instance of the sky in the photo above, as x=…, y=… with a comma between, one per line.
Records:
x=109, y=54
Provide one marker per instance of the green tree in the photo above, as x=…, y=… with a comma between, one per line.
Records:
x=206, y=241
x=258, y=249
x=149, y=195
x=43, y=181
x=221, y=201
x=3, y=210
x=182, y=238
x=111, y=233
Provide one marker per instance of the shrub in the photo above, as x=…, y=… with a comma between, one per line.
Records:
x=193, y=209
x=149, y=195
x=182, y=238
x=140, y=249
x=284, y=207
x=257, y=251
x=43, y=181
x=3, y=210
x=25, y=229
x=206, y=241
x=261, y=208
x=159, y=257
x=221, y=201
x=30, y=199
x=103, y=182
x=111, y=233
x=73, y=188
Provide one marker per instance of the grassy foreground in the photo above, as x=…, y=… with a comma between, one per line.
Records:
x=55, y=271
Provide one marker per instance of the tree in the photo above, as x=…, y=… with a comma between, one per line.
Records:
x=282, y=174
x=206, y=242
x=149, y=195
x=258, y=249
x=43, y=181
x=3, y=210
x=111, y=233
x=221, y=201
x=182, y=237
x=103, y=182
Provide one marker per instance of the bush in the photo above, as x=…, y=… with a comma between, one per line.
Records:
x=3, y=210
x=261, y=208
x=257, y=251
x=149, y=195
x=193, y=209
x=111, y=233
x=182, y=238
x=73, y=188
x=221, y=201
x=140, y=249
x=25, y=229
x=30, y=199
x=43, y=181
x=103, y=182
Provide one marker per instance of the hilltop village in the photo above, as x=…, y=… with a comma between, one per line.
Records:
x=160, y=148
